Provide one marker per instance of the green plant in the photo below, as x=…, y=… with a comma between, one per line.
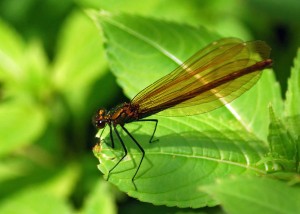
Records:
x=54, y=75
x=44, y=120
x=193, y=154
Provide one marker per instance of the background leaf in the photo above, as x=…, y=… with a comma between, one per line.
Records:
x=25, y=202
x=255, y=195
x=283, y=147
x=36, y=140
x=293, y=93
x=291, y=111
x=100, y=200
x=79, y=62
x=208, y=13
x=24, y=85
x=33, y=124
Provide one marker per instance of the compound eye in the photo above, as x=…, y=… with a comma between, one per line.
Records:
x=99, y=120
x=100, y=124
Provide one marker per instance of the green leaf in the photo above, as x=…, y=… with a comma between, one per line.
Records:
x=34, y=201
x=293, y=125
x=180, y=161
x=293, y=92
x=190, y=151
x=61, y=181
x=34, y=79
x=255, y=195
x=22, y=73
x=140, y=50
x=100, y=200
x=214, y=15
x=80, y=60
x=291, y=110
x=36, y=169
x=252, y=107
x=21, y=123
x=11, y=52
x=23, y=68
x=283, y=148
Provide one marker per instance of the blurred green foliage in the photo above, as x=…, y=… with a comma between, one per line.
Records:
x=54, y=75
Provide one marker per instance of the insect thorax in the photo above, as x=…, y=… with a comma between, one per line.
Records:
x=124, y=113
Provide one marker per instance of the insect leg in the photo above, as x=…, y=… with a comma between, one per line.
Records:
x=124, y=148
x=111, y=137
x=150, y=120
x=141, y=149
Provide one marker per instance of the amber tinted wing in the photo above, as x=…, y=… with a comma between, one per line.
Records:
x=213, y=77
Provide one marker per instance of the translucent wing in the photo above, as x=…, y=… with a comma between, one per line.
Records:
x=213, y=77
